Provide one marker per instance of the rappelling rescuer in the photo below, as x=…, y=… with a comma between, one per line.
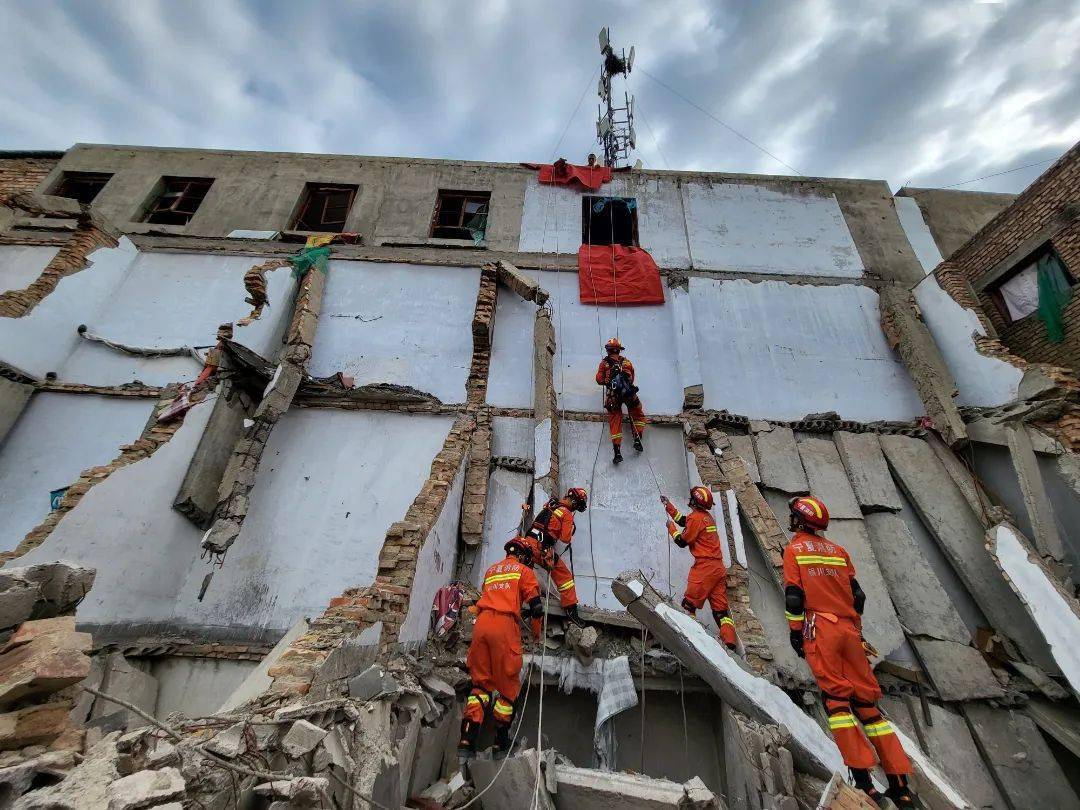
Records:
x=510, y=591
x=708, y=576
x=616, y=374
x=824, y=605
x=555, y=524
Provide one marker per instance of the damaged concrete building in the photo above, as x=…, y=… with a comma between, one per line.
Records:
x=269, y=404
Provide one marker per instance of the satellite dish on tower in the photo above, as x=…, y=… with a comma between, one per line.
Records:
x=605, y=38
x=630, y=60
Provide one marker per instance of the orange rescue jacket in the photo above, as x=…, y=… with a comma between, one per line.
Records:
x=824, y=572
x=697, y=530
x=608, y=366
x=507, y=585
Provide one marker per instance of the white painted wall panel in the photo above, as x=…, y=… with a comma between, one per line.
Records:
x=551, y=219
x=22, y=264
x=435, y=564
x=981, y=380
x=917, y=232
x=55, y=439
x=647, y=332
x=330, y=485
x=774, y=350
x=177, y=299
x=398, y=323
x=754, y=229
x=42, y=341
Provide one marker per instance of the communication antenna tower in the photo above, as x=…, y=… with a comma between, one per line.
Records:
x=614, y=124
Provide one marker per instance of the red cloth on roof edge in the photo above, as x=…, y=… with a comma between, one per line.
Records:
x=634, y=279
x=588, y=177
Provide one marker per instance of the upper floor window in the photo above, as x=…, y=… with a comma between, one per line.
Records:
x=461, y=215
x=1039, y=284
x=81, y=186
x=179, y=200
x=609, y=221
x=324, y=207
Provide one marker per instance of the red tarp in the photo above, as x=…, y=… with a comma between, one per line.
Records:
x=634, y=279
x=567, y=174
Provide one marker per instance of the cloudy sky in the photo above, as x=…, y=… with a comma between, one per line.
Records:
x=928, y=95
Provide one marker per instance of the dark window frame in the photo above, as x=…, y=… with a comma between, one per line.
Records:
x=68, y=179
x=178, y=194
x=606, y=232
x=994, y=290
x=456, y=229
x=316, y=194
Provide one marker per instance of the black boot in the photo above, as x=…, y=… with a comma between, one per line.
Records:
x=573, y=615
x=861, y=778
x=637, y=444
x=618, y=455
x=899, y=791
x=470, y=732
x=502, y=740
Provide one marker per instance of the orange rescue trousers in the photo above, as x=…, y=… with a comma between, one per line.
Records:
x=615, y=421
x=560, y=571
x=837, y=659
x=708, y=580
x=494, y=663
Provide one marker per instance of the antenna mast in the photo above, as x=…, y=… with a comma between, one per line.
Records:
x=614, y=125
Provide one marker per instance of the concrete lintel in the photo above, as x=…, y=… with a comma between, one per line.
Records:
x=523, y=285
x=1037, y=502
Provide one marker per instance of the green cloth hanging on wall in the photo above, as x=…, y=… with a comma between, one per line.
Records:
x=1054, y=294
x=308, y=258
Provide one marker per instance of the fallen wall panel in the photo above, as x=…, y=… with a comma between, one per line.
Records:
x=868, y=471
x=827, y=477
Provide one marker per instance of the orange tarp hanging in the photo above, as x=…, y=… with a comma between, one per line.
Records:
x=616, y=274
x=562, y=173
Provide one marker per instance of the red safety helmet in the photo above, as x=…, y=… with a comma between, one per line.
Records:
x=613, y=343
x=810, y=511
x=520, y=549
x=579, y=498
x=701, y=496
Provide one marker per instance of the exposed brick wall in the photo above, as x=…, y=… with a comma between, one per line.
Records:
x=23, y=174
x=1036, y=209
x=69, y=260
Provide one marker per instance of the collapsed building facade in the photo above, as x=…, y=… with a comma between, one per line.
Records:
x=274, y=454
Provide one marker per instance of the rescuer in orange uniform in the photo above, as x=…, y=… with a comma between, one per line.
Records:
x=616, y=374
x=824, y=605
x=708, y=576
x=555, y=524
x=494, y=658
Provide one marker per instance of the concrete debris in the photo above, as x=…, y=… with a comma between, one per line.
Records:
x=124, y=679
x=581, y=788
x=370, y=683
x=521, y=284
x=435, y=684
x=301, y=738
x=1044, y=526
x=518, y=778
x=229, y=743
x=41, y=591
x=868, y=472
x=45, y=768
x=778, y=461
x=582, y=640
x=86, y=786
x=42, y=657
x=449, y=792
x=301, y=792
x=145, y=789
x=958, y=672
x=34, y=725
x=827, y=477
x=743, y=447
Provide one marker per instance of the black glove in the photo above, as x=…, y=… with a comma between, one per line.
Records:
x=797, y=643
x=547, y=541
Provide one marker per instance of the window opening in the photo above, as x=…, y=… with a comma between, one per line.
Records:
x=1041, y=284
x=461, y=215
x=609, y=220
x=179, y=200
x=325, y=207
x=81, y=186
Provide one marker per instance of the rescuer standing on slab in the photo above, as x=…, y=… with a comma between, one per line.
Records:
x=824, y=611
x=616, y=374
x=708, y=576
x=494, y=658
x=555, y=524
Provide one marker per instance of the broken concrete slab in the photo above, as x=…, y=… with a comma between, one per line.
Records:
x=1053, y=611
x=301, y=738
x=1023, y=765
x=959, y=672
x=136, y=686
x=778, y=461
x=1060, y=721
x=868, y=471
x=1044, y=526
x=826, y=476
x=948, y=741
x=959, y=533
x=42, y=663
x=86, y=786
x=743, y=447
x=42, y=591
x=371, y=682
x=34, y=725
x=437, y=745
x=258, y=681
x=585, y=789
x=523, y=285
x=514, y=786
x=750, y=694
x=920, y=599
x=229, y=742
x=448, y=792
x=145, y=788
